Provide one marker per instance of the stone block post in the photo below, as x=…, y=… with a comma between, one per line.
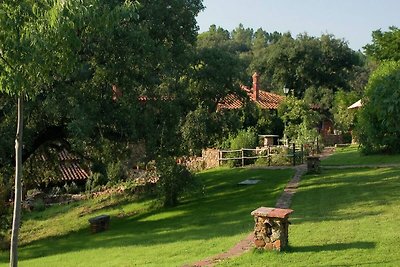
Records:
x=313, y=164
x=271, y=230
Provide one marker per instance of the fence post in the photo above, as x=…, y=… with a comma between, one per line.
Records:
x=219, y=157
x=242, y=157
x=302, y=153
x=294, y=154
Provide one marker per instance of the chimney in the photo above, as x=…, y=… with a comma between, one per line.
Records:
x=256, y=86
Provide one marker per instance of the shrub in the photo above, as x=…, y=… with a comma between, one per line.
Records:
x=245, y=139
x=174, y=180
x=71, y=188
x=95, y=181
x=38, y=205
x=115, y=172
x=378, y=128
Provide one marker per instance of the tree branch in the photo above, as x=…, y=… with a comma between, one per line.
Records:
x=5, y=61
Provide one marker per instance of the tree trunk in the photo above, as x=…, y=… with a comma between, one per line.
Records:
x=17, y=185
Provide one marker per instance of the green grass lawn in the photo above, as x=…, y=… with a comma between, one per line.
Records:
x=352, y=156
x=143, y=234
x=342, y=218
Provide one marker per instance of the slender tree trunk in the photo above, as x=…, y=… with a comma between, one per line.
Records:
x=17, y=185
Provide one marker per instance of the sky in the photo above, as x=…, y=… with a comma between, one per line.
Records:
x=351, y=20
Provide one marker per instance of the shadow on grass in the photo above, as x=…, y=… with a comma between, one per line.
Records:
x=223, y=212
x=333, y=247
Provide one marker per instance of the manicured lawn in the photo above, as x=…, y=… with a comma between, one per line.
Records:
x=143, y=234
x=342, y=218
x=352, y=156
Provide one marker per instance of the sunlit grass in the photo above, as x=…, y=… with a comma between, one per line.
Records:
x=341, y=218
x=144, y=234
x=352, y=156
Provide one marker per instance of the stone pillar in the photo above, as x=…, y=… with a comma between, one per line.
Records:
x=313, y=164
x=271, y=230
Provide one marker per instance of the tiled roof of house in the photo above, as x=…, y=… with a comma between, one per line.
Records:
x=265, y=100
x=72, y=172
x=269, y=100
x=69, y=167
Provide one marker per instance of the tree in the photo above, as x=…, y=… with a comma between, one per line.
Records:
x=385, y=45
x=344, y=118
x=378, y=128
x=29, y=31
x=309, y=61
x=299, y=119
x=95, y=46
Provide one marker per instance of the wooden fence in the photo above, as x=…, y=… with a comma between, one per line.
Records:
x=296, y=154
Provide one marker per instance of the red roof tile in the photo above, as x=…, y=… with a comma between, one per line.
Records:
x=265, y=100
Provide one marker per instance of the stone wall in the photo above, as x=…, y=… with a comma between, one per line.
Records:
x=208, y=160
x=210, y=157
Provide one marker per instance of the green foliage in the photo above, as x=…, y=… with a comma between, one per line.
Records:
x=5, y=211
x=344, y=118
x=378, y=127
x=244, y=139
x=71, y=188
x=39, y=205
x=115, y=172
x=95, y=181
x=174, y=181
x=306, y=61
x=211, y=80
x=299, y=119
x=196, y=130
x=385, y=45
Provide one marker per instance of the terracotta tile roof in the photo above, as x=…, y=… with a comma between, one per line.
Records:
x=231, y=101
x=72, y=172
x=69, y=167
x=269, y=100
x=265, y=100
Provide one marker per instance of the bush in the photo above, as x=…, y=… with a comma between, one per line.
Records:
x=95, y=181
x=115, y=172
x=38, y=205
x=71, y=188
x=174, y=180
x=245, y=139
x=378, y=128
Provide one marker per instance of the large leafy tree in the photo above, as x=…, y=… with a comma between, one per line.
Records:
x=378, y=126
x=385, y=45
x=29, y=32
x=309, y=61
x=67, y=57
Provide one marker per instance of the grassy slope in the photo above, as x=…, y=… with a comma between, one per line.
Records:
x=341, y=218
x=142, y=234
x=352, y=156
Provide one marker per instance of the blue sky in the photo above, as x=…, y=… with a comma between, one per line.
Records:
x=352, y=20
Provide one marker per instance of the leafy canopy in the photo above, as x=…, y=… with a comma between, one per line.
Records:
x=378, y=125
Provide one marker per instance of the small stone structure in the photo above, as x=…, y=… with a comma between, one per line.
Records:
x=99, y=223
x=271, y=228
x=211, y=158
x=313, y=164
